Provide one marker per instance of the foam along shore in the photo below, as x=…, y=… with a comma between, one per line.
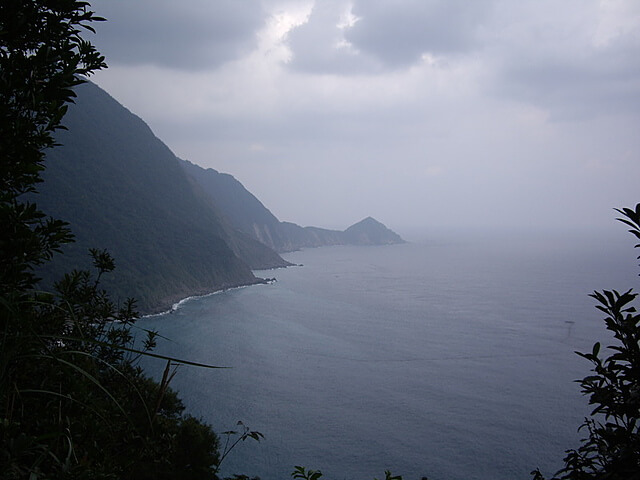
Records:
x=177, y=305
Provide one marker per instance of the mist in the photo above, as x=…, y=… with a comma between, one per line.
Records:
x=488, y=114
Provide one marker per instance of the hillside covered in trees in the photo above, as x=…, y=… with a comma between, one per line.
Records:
x=174, y=228
x=123, y=190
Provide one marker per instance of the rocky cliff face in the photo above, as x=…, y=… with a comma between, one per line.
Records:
x=249, y=215
x=239, y=206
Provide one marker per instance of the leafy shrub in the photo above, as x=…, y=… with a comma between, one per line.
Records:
x=74, y=403
x=611, y=449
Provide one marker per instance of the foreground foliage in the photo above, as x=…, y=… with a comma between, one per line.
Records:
x=611, y=448
x=301, y=473
x=74, y=403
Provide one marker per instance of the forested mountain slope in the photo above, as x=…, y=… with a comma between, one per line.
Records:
x=122, y=189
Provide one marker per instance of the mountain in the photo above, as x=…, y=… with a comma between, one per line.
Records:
x=243, y=210
x=247, y=214
x=122, y=189
x=370, y=232
x=175, y=229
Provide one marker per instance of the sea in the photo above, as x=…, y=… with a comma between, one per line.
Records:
x=451, y=357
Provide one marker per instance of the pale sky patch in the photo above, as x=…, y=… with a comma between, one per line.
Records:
x=618, y=19
x=433, y=171
x=257, y=147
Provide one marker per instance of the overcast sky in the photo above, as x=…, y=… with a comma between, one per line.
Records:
x=420, y=113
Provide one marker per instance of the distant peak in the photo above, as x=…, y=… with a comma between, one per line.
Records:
x=369, y=231
x=367, y=221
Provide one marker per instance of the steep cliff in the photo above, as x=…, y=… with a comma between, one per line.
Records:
x=247, y=214
x=122, y=189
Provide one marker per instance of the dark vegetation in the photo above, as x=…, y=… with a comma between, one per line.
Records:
x=75, y=403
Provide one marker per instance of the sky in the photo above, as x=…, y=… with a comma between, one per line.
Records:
x=424, y=114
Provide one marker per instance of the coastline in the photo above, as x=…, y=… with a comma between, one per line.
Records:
x=174, y=305
x=174, y=302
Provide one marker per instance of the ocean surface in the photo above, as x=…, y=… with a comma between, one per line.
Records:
x=451, y=358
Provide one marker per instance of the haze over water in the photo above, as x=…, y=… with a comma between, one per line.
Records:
x=451, y=358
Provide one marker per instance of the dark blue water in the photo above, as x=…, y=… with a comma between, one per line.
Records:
x=451, y=358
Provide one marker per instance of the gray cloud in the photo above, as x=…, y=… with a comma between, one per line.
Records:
x=319, y=46
x=574, y=62
x=398, y=33
x=386, y=35
x=554, y=60
x=193, y=35
x=600, y=81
